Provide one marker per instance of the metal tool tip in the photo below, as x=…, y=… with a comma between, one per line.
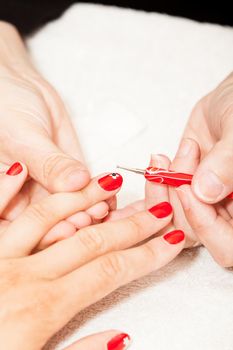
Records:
x=134, y=170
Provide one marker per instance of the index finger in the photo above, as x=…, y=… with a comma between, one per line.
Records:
x=40, y=217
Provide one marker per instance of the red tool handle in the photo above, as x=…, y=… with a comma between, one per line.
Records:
x=169, y=177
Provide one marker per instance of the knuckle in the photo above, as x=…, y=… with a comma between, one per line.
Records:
x=56, y=163
x=48, y=295
x=43, y=304
x=10, y=273
x=91, y=239
x=134, y=226
x=86, y=198
x=39, y=212
x=113, y=266
x=149, y=252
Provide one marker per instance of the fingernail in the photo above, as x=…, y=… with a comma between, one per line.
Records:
x=111, y=181
x=184, y=148
x=174, y=237
x=161, y=210
x=208, y=186
x=102, y=216
x=157, y=159
x=119, y=342
x=15, y=169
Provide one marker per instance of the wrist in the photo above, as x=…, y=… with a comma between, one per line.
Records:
x=13, y=54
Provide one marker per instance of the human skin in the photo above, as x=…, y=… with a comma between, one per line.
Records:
x=206, y=146
x=36, y=129
x=156, y=193
x=41, y=291
x=211, y=126
x=208, y=137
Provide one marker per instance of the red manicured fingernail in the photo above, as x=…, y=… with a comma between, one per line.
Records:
x=15, y=169
x=161, y=210
x=119, y=342
x=111, y=181
x=174, y=237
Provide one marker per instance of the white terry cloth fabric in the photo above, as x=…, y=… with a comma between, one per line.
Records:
x=130, y=80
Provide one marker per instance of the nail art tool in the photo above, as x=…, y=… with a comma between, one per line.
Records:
x=166, y=177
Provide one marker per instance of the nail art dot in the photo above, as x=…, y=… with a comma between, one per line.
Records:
x=115, y=175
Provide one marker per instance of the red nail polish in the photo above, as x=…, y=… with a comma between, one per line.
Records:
x=15, y=169
x=119, y=342
x=174, y=237
x=111, y=181
x=161, y=210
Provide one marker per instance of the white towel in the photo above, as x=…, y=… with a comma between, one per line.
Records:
x=130, y=79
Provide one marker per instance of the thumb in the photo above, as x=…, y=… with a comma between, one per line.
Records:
x=213, y=179
x=110, y=340
x=51, y=167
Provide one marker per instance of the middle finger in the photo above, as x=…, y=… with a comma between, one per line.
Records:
x=93, y=241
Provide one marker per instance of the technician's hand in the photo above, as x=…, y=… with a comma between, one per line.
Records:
x=211, y=125
x=36, y=130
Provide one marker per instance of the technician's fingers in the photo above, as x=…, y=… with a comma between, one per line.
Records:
x=212, y=230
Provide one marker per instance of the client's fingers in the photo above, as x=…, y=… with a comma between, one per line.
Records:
x=110, y=340
x=80, y=219
x=97, y=240
x=155, y=192
x=100, y=277
x=98, y=211
x=11, y=182
x=212, y=230
x=186, y=160
x=60, y=231
x=67, y=228
x=40, y=217
x=127, y=211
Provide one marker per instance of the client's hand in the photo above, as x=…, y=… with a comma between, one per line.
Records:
x=12, y=180
x=40, y=292
x=156, y=193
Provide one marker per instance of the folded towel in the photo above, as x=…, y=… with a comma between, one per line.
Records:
x=130, y=80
